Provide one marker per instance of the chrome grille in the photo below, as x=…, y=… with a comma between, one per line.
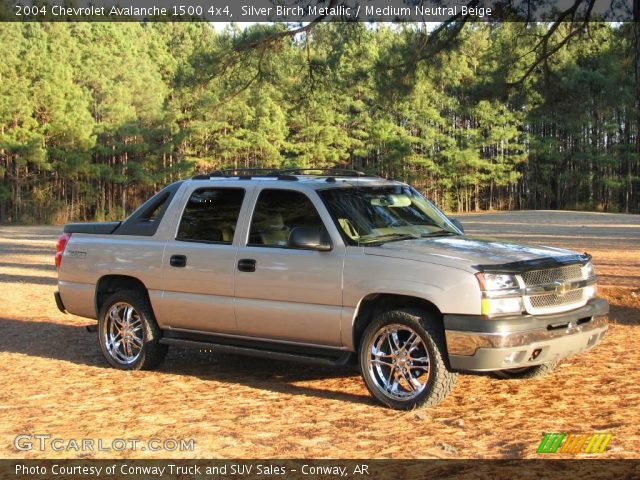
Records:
x=553, y=302
x=550, y=275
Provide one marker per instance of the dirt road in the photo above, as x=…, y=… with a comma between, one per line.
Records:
x=53, y=380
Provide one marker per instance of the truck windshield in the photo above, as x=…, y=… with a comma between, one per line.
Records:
x=376, y=215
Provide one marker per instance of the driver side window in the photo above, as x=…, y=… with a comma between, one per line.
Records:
x=277, y=212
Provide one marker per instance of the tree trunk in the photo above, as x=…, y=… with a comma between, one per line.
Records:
x=636, y=50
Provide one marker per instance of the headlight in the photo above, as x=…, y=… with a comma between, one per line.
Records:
x=501, y=294
x=497, y=281
x=591, y=291
x=589, y=271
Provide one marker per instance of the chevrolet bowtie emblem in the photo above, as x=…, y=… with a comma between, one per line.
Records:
x=561, y=288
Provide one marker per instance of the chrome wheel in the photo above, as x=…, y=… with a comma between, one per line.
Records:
x=123, y=333
x=398, y=362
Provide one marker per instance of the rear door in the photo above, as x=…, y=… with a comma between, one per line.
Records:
x=284, y=293
x=199, y=262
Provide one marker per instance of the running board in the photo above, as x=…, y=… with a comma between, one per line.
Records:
x=339, y=358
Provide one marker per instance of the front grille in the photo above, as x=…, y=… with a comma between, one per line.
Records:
x=550, y=275
x=552, y=302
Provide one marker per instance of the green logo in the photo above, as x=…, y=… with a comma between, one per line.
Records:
x=574, y=443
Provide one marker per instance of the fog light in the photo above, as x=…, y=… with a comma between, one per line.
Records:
x=501, y=306
x=535, y=354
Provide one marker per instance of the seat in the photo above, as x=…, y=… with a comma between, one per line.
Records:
x=270, y=230
x=348, y=228
x=228, y=231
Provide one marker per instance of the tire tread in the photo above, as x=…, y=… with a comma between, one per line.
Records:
x=153, y=352
x=444, y=380
x=536, y=371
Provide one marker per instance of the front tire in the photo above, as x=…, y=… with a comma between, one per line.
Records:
x=403, y=360
x=128, y=333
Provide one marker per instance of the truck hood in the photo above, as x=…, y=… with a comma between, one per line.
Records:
x=467, y=252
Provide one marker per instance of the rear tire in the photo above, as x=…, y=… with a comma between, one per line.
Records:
x=128, y=333
x=536, y=371
x=403, y=360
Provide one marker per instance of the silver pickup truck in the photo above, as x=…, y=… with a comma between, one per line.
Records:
x=329, y=267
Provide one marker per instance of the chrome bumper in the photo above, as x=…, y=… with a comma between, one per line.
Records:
x=551, y=338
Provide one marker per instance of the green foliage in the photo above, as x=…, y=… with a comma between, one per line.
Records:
x=94, y=117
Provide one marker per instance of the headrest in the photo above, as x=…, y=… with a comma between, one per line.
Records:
x=271, y=222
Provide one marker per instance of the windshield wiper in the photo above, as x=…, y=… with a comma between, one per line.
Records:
x=438, y=233
x=390, y=237
x=397, y=237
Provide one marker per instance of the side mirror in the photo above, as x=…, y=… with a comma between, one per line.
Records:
x=457, y=223
x=310, y=238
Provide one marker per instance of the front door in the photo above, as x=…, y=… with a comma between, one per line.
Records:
x=284, y=293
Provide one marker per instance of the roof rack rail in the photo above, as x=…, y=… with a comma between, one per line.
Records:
x=280, y=174
x=325, y=172
x=245, y=172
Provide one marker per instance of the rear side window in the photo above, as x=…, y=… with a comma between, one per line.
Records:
x=211, y=215
x=146, y=219
x=278, y=212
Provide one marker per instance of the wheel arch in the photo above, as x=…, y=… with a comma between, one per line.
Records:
x=375, y=303
x=109, y=284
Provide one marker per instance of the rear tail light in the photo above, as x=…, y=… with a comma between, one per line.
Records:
x=60, y=246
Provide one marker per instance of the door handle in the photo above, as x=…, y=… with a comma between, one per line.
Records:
x=178, y=261
x=247, y=265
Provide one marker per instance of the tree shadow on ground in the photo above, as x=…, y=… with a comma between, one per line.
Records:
x=9, y=250
x=40, y=237
x=4, y=278
x=76, y=345
x=30, y=266
x=624, y=315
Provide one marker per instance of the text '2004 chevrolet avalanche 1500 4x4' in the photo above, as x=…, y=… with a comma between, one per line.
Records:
x=326, y=266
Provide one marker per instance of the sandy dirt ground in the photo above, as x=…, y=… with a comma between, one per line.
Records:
x=54, y=381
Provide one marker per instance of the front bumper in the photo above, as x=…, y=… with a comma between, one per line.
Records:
x=478, y=344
